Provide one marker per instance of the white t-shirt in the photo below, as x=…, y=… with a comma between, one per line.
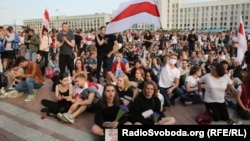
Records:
x=239, y=89
x=191, y=81
x=215, y=87
x=167, y=76
x=89, y=39
x=174, y=40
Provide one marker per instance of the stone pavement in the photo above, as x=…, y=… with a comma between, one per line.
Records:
x=21, y=121
x=21, y=124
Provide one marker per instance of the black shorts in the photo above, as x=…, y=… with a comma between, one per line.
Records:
x=109, y=63
x=8, y=54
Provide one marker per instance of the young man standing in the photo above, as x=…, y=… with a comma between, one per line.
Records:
x=66, y=43
x=32, y=77
x=112, y=49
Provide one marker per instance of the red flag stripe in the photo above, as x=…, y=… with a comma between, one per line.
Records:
x=46, y=15
x=137, y=8
x=241, y=29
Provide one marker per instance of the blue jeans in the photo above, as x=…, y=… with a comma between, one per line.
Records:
x=28, y=85
x=30, y=55
x=167, y=100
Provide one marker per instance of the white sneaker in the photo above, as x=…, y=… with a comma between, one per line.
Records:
x=238, y=123
x=61, y=117
x=69, y=118
x=12, y=94
x=3, y=90
x=29, y=98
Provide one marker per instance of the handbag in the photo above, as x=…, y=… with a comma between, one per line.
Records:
x=204, y=117
x=49, y=73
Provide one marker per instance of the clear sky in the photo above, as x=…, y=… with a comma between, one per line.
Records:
x=15, y=11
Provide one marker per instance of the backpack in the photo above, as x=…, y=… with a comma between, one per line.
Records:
x=15, y=42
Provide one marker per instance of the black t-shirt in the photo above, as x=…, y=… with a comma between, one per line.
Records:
x=109, y=39
x=148, y=44
x=120, y=38
x=78, y=39
x=101, y=49
x=128, y=94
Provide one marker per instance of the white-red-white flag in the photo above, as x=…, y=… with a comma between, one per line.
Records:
x=134, y=12
x=242, y=42
x=46, y=20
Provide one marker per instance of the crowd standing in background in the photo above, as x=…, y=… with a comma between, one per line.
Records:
x=153, y=68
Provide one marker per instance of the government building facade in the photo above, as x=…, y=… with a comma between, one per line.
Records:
x=210, y=14
x=175, y=14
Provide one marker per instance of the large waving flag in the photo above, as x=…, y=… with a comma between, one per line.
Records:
x=46, y=20
x=134, y=12
x=242, y=42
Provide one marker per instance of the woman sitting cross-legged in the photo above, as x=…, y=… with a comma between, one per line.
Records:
x=191, y=95
x=63, y=92
x=107, y=109
x=147, y=107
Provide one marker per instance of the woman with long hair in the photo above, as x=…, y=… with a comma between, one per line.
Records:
x=106, y=111
x=79, y=68
x=124, y=90
x=63, y=94
x=147, y=107
x=190, y=95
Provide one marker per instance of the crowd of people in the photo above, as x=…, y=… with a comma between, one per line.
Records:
x=142, y=71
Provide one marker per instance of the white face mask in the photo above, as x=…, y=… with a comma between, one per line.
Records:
x=223, y=57
x=172, y=61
